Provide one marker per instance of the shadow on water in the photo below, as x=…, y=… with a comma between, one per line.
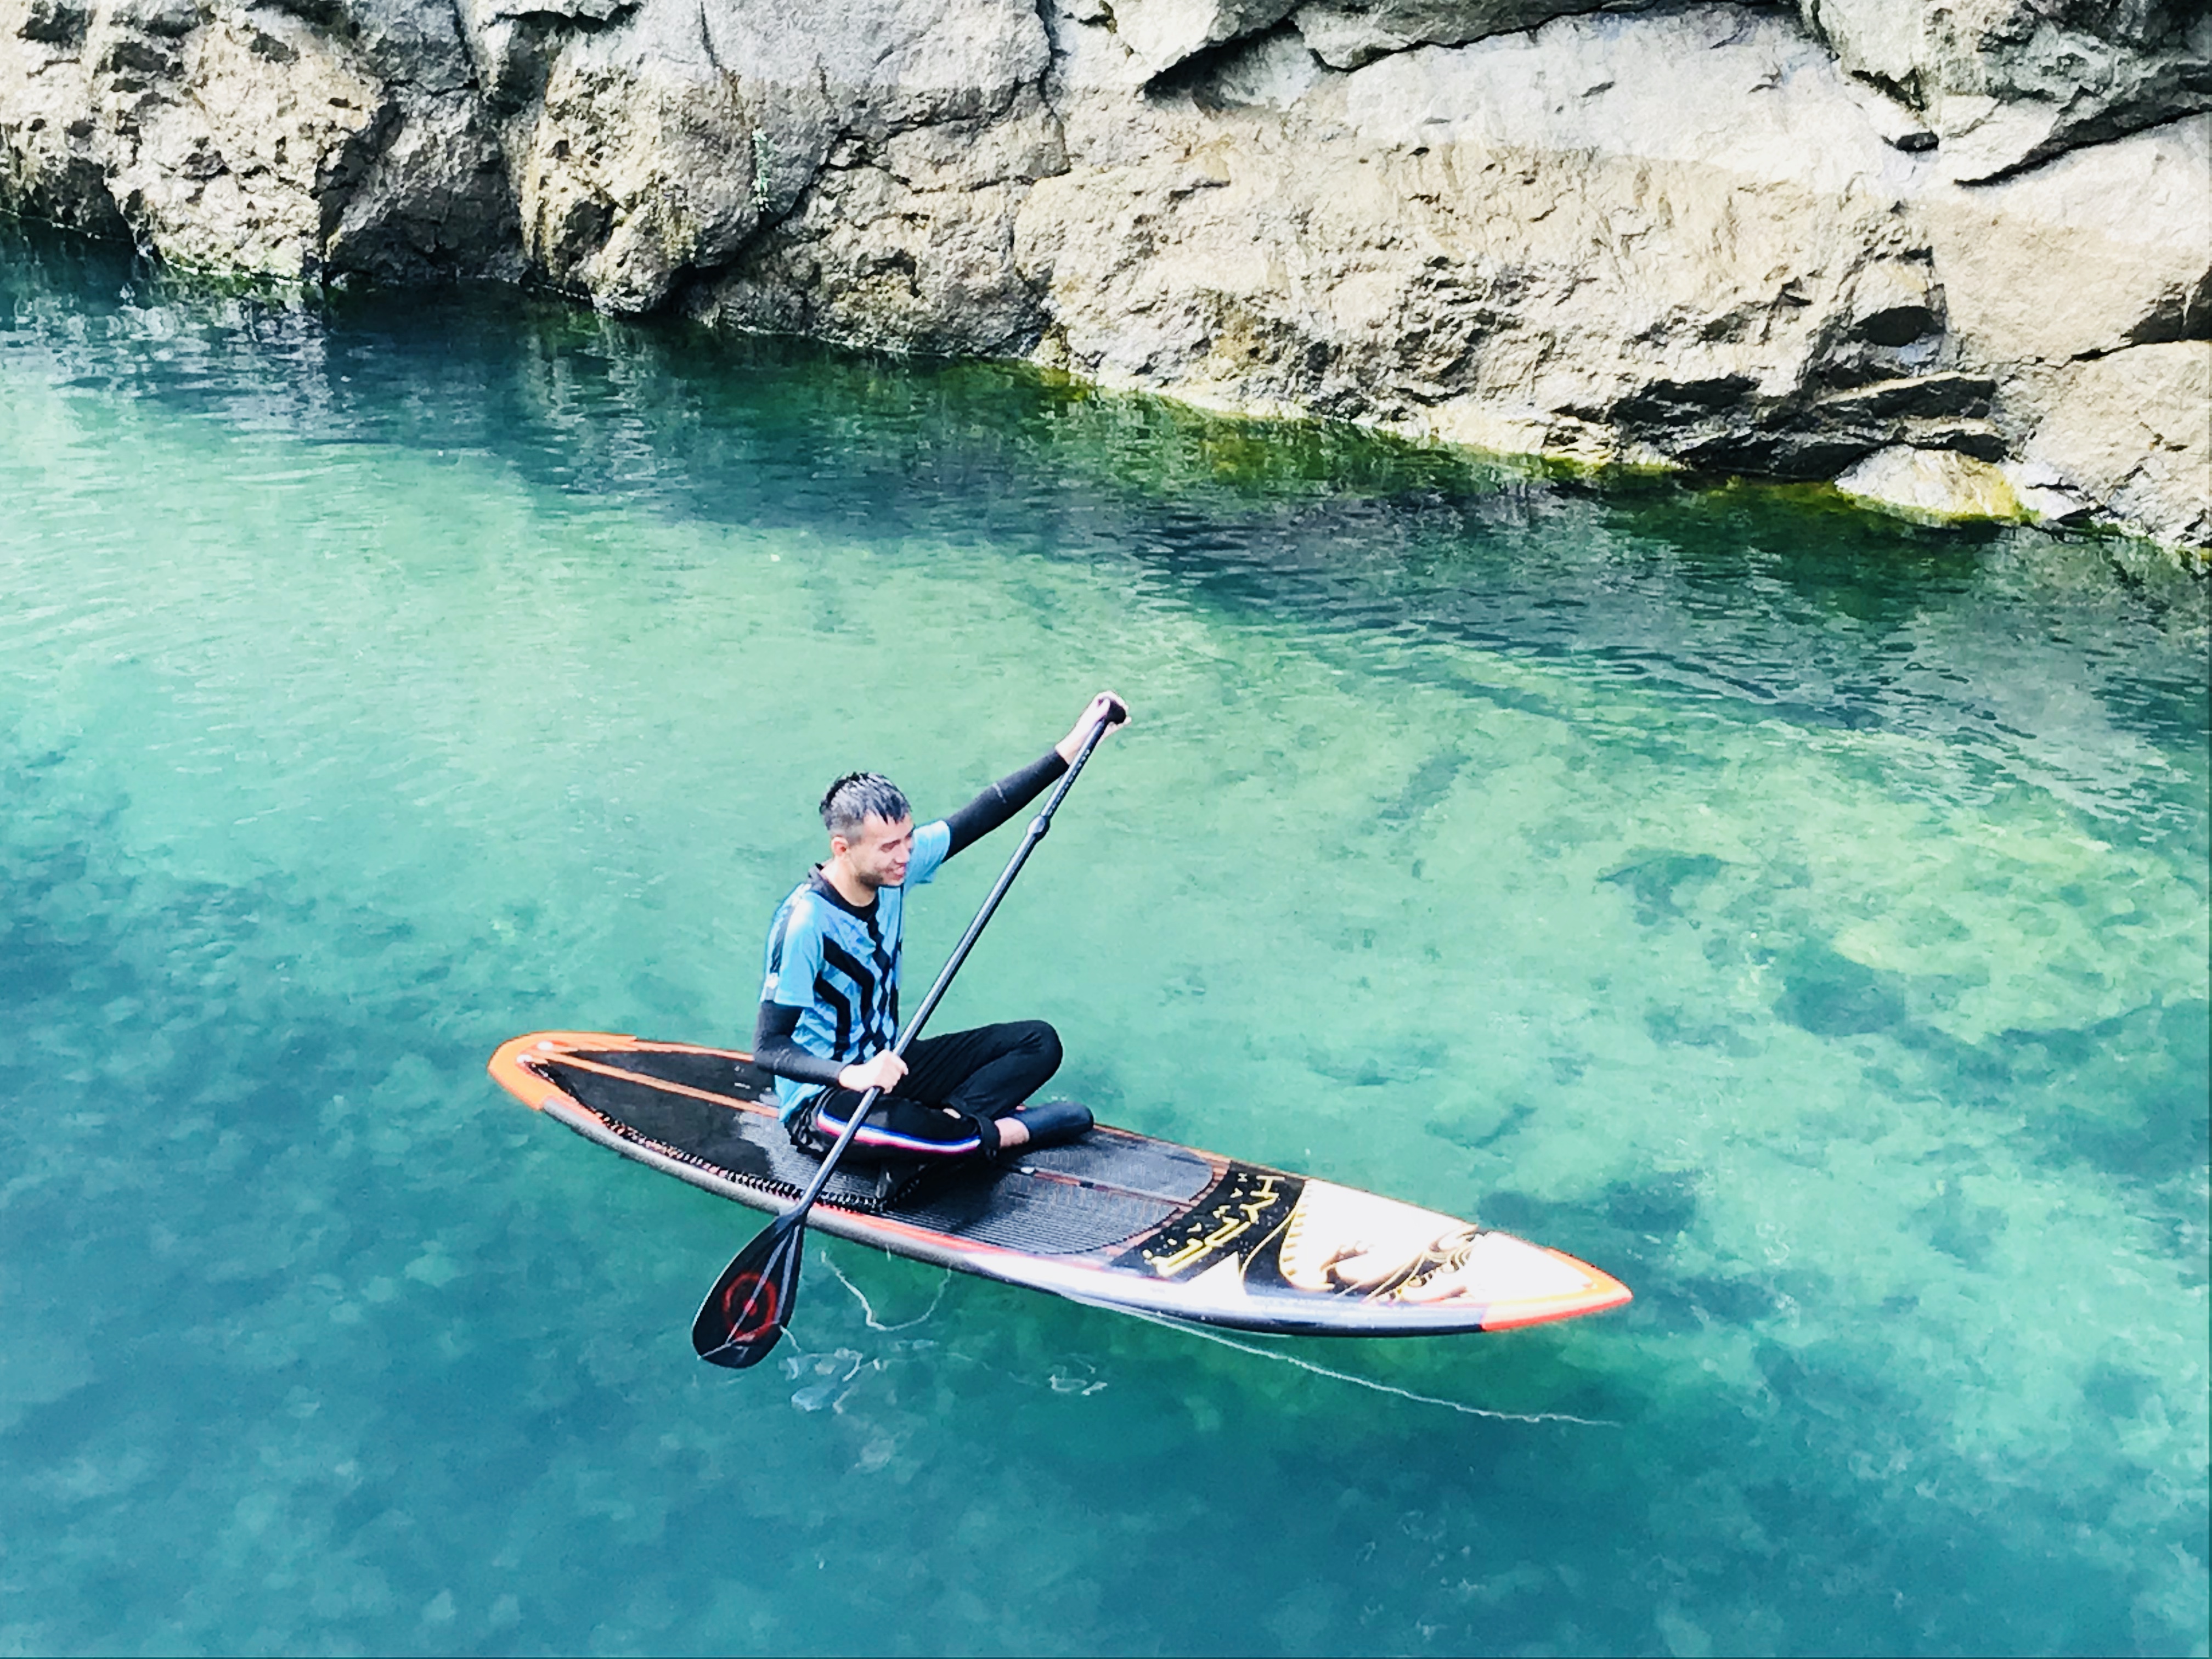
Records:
x=1803, y=608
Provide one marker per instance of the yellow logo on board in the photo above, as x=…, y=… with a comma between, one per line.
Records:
x=1231, y=1219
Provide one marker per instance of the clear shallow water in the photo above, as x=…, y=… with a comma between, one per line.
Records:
x=1801, y=916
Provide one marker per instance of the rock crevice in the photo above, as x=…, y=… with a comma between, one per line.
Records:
x=1918, y=246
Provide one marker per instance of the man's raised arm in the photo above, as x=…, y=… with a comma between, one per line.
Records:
x=1004, y=799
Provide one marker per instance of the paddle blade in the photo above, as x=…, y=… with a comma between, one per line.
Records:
x=744, y=1314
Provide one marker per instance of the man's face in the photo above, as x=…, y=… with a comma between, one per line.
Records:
x=878, y=851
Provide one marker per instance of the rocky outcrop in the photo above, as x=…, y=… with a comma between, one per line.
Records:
x=257, y=139
x=1685, y=238
x=2003, y=84
x=1958, y=252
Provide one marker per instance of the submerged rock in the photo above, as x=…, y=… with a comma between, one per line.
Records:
x=1908, y=238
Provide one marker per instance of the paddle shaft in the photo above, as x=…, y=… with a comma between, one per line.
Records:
x=1036, y=833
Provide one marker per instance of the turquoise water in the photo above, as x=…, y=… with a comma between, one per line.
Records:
x=1803, y=916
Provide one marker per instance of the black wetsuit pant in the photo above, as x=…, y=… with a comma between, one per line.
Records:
x=955, y=1088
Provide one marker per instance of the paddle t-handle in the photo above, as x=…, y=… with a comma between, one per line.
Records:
x=746, y=1313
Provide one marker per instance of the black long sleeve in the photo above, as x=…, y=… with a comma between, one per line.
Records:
x=1002, y=800
x=775, y=1049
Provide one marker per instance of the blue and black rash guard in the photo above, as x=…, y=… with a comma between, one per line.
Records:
x=829, y=982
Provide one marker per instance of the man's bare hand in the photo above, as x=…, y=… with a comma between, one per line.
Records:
x=1104, y=707
x=884, y=1072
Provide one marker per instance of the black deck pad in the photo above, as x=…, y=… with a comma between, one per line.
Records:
x=1027, y=1212
x=752, y=1148
x=716, y=1074
x=1119, y=1159
x=1061, y=1200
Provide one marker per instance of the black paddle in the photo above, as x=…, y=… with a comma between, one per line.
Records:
x=744, y=1314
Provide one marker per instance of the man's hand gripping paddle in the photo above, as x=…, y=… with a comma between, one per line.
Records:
x=745, y=1314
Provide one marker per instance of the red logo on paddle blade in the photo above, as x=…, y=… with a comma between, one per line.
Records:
x=749, y=1307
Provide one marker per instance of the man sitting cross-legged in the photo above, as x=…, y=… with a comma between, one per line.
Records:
x=829, y=1009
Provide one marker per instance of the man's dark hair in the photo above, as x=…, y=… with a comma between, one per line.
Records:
x=858, y=796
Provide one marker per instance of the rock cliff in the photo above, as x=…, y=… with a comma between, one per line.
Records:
x=1955, y=255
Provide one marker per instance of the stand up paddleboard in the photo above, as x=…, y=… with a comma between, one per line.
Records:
x=1115, y=1219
